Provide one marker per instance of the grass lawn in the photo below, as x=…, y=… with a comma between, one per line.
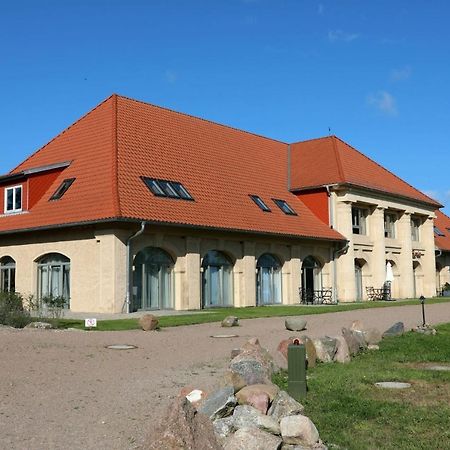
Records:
x=217, y=315
x=349, y=411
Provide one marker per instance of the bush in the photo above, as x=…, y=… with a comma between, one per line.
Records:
x=12, y=312
x=54, y=305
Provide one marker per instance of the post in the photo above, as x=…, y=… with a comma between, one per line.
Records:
x=297, y=370
x=422, y=301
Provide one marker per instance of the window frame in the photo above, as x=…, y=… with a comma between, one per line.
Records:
x=390, y=219
x=260, y=203
x=415, y=229
x=13, y=189
x=62, y=189
x=167, y=188
x=438, y=232
x=362, y=214
x=284, y=206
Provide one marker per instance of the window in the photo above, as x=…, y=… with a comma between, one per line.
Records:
x=13, y=199
x=438, y=232
x=389, y=225
x=359, y=220
x=165, y=188
x=260, y=202
x=65, y=185
x=7, y=274
x=268, y=280
x=217, y=280
x=283, y=205
x=415, y=225
x=54, y=277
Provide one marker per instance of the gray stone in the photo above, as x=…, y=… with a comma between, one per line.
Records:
x=396, y=330
x=299, y=430
x=352, y=342
x=219, y=404
x=318, y=446
x=235, y=352
x=245, y=416
x=284, y=405
x=342, y=354
x=311, y=353
x=252, y=439
x=230, y=321
x=149, y=322
x=357, y=325
x=252, y=368
x=295, y=323
x=183, y=428
x=393, y=385
x=39, y=325
x=224, y=427
x=425, y=330
x=360, y=337
x=373, y=347
x=372, y=336
x=325, y=348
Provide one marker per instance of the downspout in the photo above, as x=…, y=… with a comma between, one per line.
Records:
x=438, y=253
x=336, y=253
x=128, y=268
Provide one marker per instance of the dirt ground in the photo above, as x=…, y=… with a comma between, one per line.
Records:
x=65, y=390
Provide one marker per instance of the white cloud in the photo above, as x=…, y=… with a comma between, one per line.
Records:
x=171, y=76
x=320, y=9
x=401, y=74
x=339, y=35
x=384, y=102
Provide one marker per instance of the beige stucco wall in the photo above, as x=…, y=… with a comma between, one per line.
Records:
x=443, y=269
x=373, y=249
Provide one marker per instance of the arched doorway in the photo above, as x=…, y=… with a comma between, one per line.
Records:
x=268, y=280
x=152, y=279
x=7, y=274
x=311, y=278
x=438, y=278
x=217, y=287
x=418, y=288
x=359, y=288
x=54, y=277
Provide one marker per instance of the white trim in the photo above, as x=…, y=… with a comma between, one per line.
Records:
x=5, y=206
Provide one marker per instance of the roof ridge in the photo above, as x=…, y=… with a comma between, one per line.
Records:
x=433, y=201
x=61, y=133
x=313, y=139
x=115, y=187
x=199, y=118
x=338, y=159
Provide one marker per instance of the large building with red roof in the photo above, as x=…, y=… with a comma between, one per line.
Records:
x=138, y=207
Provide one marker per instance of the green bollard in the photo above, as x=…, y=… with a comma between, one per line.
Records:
x=297, y=370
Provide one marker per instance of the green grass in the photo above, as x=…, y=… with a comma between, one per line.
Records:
x=349, y=411
x=217, y=315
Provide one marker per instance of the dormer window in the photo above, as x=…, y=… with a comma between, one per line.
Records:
x=284, y=206
x=13, y=199
x=62, y=189
x=260, y=202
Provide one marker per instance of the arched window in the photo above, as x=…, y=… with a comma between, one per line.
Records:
x=152, y=279
x=7, y=274
x=359, y=263
x=54, y=277
x=268, y=280
x=217, y=288
x=311, y=278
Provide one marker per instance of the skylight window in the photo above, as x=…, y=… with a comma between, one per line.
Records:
x=62, y=189
x=260, y=202
x=165, y=188
x=283, y=205
x=438, y=232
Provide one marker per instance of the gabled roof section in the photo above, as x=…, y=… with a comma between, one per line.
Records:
x=329, y=160
x=442, y=222
x=122, y=140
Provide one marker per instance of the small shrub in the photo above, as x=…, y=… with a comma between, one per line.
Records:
x=54, y=305
x=12, y=312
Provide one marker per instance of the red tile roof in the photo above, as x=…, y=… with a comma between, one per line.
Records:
x=121, y=140
x=329, y=160
x=442, y=222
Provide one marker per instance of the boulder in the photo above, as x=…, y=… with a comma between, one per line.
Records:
x=325, y=348
x=360, y=338
x=282, y=349
x=396, y=330
x=373, y=347
x=372, y=336
x=235, y=352
x=258, y=395
x=183, y=428
x=295, y=323
x=223, y=427
x=219, y=403
x=318, y=446
x=252, y=439
x=246, y=416
x=299, y=430
x=342, y=354
x=39, y=325
x=311, y=353
x=352, y=342
x=357, y=325
x=251, y=367
x=233, y=379
x=195, y=396
x=230, y=321
x=284, y=405
x=149, y=322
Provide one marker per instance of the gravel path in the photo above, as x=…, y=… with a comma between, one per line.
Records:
x=65, y=390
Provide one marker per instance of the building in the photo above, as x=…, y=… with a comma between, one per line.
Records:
x=139, y=207
x=442, y=233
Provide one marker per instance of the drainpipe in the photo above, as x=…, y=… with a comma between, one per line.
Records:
x=128, y=268
x=438, y=253
x=336, y=253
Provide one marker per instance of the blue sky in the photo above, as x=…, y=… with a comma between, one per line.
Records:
x=376, y=72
